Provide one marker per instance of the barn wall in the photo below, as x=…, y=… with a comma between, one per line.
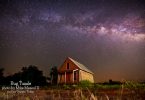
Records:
x=86, y=76
x=82, y=76
x=72, y=66
x=61, y=78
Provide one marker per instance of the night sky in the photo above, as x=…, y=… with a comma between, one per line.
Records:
x=107, y=36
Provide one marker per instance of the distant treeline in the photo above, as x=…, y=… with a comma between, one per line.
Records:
x=31, y=74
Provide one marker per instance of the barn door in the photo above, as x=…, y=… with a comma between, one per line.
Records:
x=68, y=76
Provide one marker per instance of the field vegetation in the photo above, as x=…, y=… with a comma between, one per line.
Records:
x=84, y=90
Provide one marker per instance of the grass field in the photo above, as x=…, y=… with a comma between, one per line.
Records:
x=125, y=91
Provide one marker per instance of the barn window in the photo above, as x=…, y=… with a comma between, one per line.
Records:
x=75, y=75
x=67, y=65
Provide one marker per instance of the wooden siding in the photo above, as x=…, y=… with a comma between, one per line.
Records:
x=86, y=76
x=69, y=77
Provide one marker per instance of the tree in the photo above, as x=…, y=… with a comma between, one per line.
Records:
x=53, y=75
x=1, y=76
x=33, y=75
x=1, y=72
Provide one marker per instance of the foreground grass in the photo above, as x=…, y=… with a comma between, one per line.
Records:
x=125, y=91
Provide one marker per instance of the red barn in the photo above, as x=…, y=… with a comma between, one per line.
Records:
x=72, y=71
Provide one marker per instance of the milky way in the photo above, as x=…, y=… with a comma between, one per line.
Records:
x=108, y=36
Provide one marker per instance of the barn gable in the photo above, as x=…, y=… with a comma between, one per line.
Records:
x=72, y=65
x=75, y=64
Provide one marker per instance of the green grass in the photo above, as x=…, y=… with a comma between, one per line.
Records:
x=107, y=86
x=86, y=84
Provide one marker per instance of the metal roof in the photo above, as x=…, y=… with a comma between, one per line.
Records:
x=81, y=66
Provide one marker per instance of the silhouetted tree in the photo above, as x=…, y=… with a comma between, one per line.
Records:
x=30, y=73
x=110, y=81
x=33, y=75
x=1, y=76
x=1, y=72
x=7, y=80
x=53, y=75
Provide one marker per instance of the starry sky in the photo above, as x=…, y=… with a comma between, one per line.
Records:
x=107, y=36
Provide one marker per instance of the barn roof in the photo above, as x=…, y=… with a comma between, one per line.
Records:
x=81, y=66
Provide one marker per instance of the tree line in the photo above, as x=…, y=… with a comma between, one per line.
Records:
x=32, y=74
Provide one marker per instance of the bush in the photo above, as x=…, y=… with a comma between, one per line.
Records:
x=107, y=86
x=75, y=86
x=134, y=85
x=85, y=84
x=66, y=86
